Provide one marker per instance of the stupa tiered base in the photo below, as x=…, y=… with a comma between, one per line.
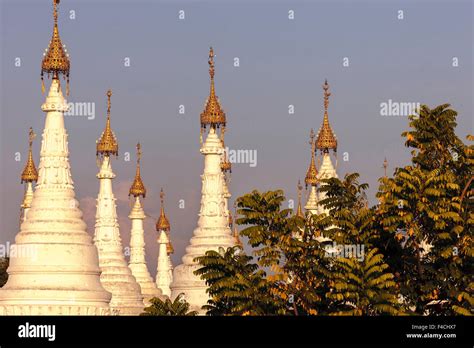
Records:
x=58, y=272
x=213, y=231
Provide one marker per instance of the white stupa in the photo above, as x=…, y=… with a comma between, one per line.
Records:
x=28, y=177
x=163, y=276
x=213, y=229
x=60, y=274
x=312, y=180
x=164, y=269
x=116, y=276
x=326, y=140
x=137, y=261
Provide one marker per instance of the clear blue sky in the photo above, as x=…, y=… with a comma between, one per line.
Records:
x=282, y=62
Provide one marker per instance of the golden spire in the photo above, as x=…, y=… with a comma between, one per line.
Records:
x=138, y=188
x=385, y=166
x=299, y=211
x=107, y=144
x=163, y=223
x=30, y=174
x=213, y=115
x=312, y=173
x=326, y=139
x=56, y=59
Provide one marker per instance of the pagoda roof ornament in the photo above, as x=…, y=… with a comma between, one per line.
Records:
x=299, y=210
x=213, y=115
x=312, y=173
x=55, y=58
x=385, y=166
x=326, y=139
x=163, y=223
x=30, y=174
x=138, y=188
x=107, y=144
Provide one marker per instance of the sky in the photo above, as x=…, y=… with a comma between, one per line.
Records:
x=370, y=52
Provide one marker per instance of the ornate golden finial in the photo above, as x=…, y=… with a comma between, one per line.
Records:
x=327, y=94
x=109, y=94
x=107, y=144
x=211, y=63
x=385, y=166
x=138, y=188
x=299, y=211
x=213, y=115
x=30, y=174
x=56, y=59
x=163, y=224
x=312, y=173
x=326, y=139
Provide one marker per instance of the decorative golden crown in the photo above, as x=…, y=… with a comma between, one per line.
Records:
x=163, y=223
x=213, y=115
x=56, y=59
x=326, y=138
x=138, y=188
x=30, y=174
x=107, y=144
x=312, y=173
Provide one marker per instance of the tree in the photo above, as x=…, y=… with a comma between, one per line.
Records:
x=304, y=280
x=352, y=219
x=359, y=284
x=158, y=307
x=364, y=288
x=426, y=208
x=418, y=241
x=236, y=286
x=288, y=247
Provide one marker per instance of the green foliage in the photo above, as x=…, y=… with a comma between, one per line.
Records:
x=357, y=286
x=418, y=241
x=303, y=280
x=363, y=288
x=158, y=307
x=427, y=209
x=288, y=247
x=352, y=219
x=236, y=286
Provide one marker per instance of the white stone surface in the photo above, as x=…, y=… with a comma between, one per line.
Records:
x=116, y=276
x=212, y=231
x=163, y=274
x=137, y=262
x=312, y=203
x=60, y=274
x=326, y=171
x=27, y=199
